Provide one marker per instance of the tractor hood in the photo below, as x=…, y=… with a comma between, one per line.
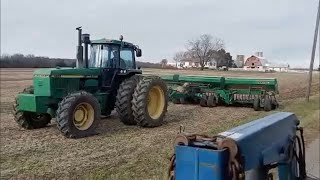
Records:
x=67, y=72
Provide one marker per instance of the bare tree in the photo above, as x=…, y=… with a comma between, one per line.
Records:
x=163, y=63
x=204, y=48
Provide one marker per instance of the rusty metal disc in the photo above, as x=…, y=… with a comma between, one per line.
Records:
x=181, y=139
x=230, y=144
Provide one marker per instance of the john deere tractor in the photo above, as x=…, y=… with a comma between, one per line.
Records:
x=77, y=97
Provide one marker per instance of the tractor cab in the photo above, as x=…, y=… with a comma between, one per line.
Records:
x=114, y=54
x=106, y=53
x=115, y=58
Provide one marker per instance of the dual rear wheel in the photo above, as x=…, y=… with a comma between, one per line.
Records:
x=142, y=100
x=208, y=101
x=268, y=103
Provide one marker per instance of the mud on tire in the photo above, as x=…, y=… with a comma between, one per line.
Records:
x=124, y=100
x=67, y=111
x=145, y=99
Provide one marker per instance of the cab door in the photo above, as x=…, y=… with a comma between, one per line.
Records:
x=110, y=67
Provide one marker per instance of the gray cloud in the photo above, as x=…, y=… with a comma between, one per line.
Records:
x=283, y=30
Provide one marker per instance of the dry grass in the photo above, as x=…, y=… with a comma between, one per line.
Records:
x=125, y=152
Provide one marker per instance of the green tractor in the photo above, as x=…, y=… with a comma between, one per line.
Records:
x=78, y=97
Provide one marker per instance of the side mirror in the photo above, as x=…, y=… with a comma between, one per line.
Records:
x=139, y=67
x=138, y=53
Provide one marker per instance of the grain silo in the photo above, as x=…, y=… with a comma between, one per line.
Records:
x=240, y=61
x=259, y=54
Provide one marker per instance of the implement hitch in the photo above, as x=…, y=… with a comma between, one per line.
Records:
x=248, y=151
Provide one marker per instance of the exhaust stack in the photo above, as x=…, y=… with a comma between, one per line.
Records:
x=79, y=49
x=85, y=39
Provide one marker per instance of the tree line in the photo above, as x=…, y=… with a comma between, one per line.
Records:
x=32, y=61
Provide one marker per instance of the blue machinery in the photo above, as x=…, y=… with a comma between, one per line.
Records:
x=248, y=151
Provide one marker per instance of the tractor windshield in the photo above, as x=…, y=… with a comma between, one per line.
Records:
x=107, y=56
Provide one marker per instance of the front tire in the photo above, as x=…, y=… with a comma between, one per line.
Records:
x=78, y=115
x=150, y=101
x=29, y=120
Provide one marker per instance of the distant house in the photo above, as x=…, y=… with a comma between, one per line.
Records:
x=212, y=64
x=189, y=63
x=195, y=63
x=172, y=64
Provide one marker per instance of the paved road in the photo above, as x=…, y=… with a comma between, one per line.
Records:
x=312, y=159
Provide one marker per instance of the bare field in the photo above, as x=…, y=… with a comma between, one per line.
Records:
x=119, y=151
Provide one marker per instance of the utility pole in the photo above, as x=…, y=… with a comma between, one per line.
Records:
x=316, y=32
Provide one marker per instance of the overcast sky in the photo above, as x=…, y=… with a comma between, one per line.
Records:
x=282, y=29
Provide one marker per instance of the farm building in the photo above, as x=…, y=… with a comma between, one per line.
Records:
x=278, y=67
x=239, y=61
x=257, y=63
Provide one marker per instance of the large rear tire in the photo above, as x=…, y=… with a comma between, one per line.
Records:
x=124, y=100
x=150, y=101
x=78, y=115
x=29, y=120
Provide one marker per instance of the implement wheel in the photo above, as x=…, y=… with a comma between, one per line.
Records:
x=78, y=115
x=183, y=100
x=267, y=104
x=256, y=103
x=29, y=120
x=176, y=101
x=274, y=103
x=211, y=102
x=203, y=101
x=124, y=100
x=150, y=102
